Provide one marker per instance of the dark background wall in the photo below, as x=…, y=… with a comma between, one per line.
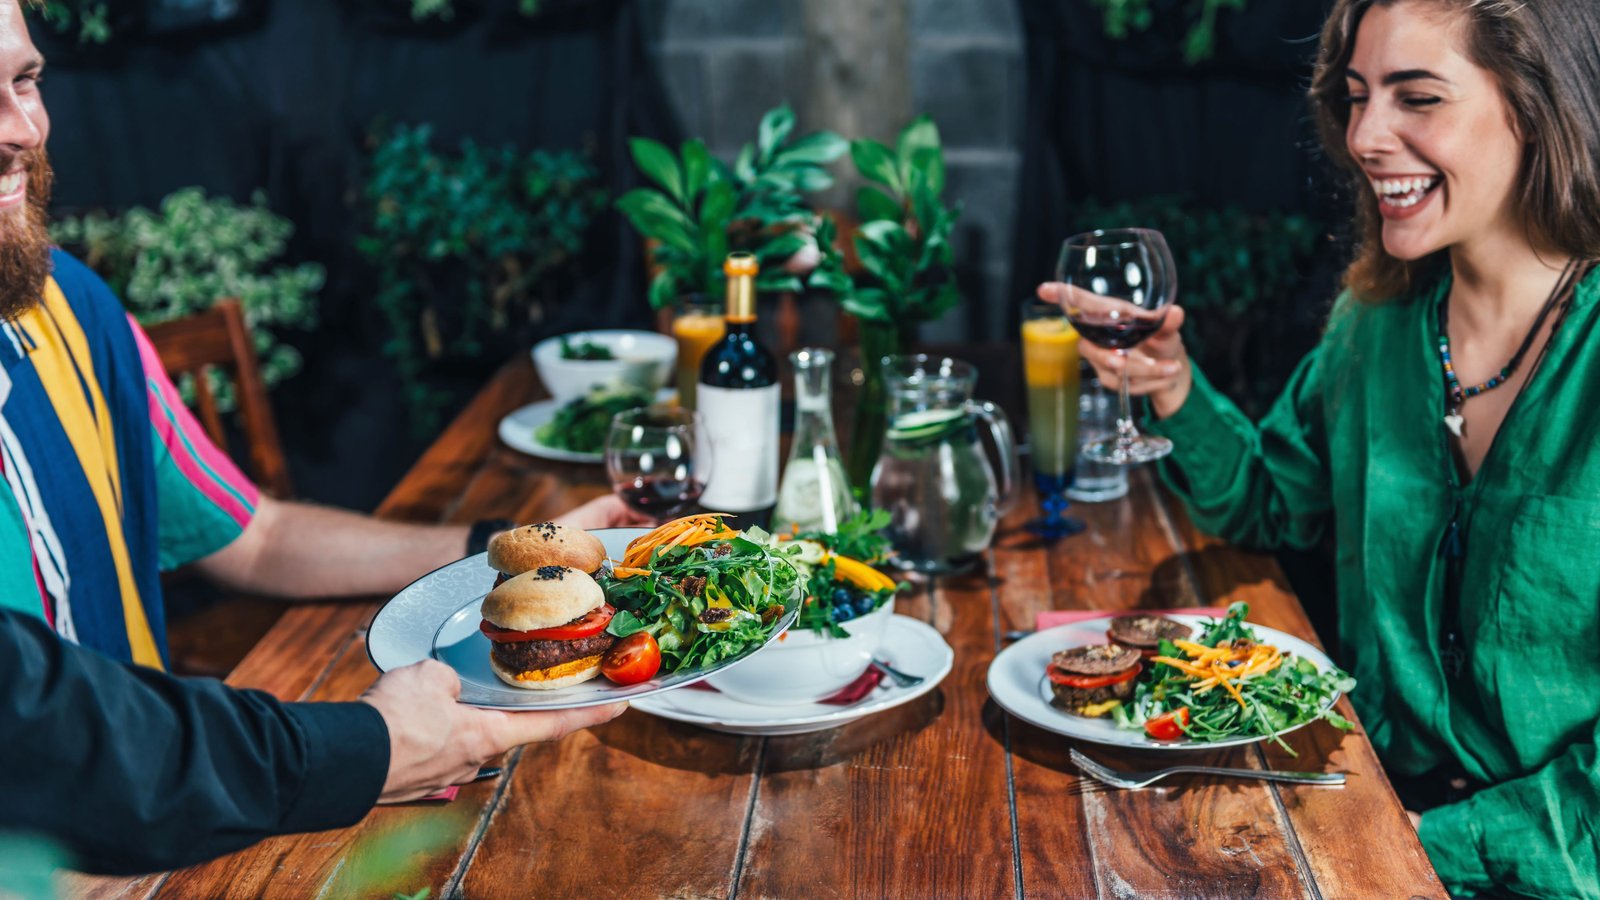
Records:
x=284, y=99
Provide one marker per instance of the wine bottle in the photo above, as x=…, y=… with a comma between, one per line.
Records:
x=738, y=396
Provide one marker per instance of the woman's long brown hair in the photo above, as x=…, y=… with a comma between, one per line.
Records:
x=1546, y=56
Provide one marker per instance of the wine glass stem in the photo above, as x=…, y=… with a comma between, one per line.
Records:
x=1127, y=435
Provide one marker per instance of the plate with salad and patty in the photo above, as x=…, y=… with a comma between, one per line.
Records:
x=1175, y=682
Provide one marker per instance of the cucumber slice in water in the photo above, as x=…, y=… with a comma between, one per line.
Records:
x=914, y=426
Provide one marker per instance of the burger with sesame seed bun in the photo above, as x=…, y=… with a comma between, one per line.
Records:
x=547, y=627
x=530, y=547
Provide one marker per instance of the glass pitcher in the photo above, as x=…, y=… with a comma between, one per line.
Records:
x=933, y=476
x=814, y=494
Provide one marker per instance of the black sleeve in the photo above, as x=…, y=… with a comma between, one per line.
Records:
x=133, y=770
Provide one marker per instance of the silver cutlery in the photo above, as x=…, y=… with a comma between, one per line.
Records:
x=900, y=678
x=1142, y=779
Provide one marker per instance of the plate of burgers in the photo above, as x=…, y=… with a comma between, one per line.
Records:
x=553, y=617
x=1172, y=682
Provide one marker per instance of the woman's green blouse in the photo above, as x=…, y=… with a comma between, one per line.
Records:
x=1357, y=444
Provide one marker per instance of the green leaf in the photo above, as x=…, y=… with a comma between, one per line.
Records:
x=744, y=167
x=780, y=248
x=874, y=161
x=775, y=128
x=696, y=169
x=929, y=163
x=778, y=282
x=655, y=217
x=818, y=148
x=921, y=135
x=872, y=204
x=869, y=305
x=717, y=207
x=659, y=165
x=663, y=289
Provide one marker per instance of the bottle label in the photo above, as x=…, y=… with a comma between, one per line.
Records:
x=743, y=426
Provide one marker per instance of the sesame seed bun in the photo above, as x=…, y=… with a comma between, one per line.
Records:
x=543, y=598
x=545, y=544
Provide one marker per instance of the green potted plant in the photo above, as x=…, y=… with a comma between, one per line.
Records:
x=701, y=209
x=906, y=273
x=194, y=251
x=468, y=247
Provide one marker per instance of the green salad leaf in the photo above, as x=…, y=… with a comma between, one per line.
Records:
x=581, y=425
x=707, y=603
x=584, y=349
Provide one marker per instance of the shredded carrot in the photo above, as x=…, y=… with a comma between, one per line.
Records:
x=628, y=571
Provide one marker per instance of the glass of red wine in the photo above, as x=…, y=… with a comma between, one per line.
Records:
x=658, y=459
x=1118, y=284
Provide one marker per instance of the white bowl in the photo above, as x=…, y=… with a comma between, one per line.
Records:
x=643, y=359
x=802, y=666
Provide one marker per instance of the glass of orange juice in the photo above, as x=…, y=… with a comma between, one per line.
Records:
x=696, y=324
x=1050, y=367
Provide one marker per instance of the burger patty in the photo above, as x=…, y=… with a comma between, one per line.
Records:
x=1072, y=698
x=1146, y=631
x=522, y=656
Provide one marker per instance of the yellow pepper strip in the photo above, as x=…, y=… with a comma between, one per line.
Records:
x=860, y=574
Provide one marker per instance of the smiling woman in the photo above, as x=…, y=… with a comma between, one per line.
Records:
x=1443, y=429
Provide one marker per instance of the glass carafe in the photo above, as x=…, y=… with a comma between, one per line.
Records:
x=814, y=494
x=933, y=476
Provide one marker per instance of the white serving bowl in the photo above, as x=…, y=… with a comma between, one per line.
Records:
x=643, y=359
x=802, y=666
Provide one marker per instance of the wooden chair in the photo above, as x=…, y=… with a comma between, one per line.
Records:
x=211, y=640
x=220, y=339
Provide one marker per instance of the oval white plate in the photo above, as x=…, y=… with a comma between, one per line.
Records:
x=1017, y=682
x=518, y=430
x=437, y=616
x=909, y=645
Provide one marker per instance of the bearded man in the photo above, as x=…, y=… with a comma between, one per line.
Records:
x=109, y=481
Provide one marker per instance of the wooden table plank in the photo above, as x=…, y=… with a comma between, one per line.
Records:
x=933, y=788
x=1194, y=838
x=1321, y=817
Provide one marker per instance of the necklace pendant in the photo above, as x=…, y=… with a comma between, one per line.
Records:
x=1454, y=422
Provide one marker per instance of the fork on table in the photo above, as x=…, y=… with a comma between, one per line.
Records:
x=1118, y=779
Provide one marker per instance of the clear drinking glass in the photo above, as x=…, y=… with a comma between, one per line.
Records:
x=814, y=494
x=1118, y=285
x=658, y=459
x=697, y=324
x=1050, y=370
x=1094, y=481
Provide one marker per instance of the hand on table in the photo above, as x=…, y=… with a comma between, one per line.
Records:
x=604, y=512
x=435, y=742
x=1158, y=367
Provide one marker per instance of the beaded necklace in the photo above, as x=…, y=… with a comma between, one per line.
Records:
x=1455, y=394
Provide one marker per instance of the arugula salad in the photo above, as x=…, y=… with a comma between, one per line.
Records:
x=1228, y=684
x=581, y=424
x=840, y=582
x=702, y=591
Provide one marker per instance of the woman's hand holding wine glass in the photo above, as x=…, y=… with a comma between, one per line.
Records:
x=1158, y=368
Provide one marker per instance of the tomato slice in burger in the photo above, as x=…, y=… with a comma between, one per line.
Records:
x=633, y=659
x=590, y=623
x=1057, y=676
x=1168, y=726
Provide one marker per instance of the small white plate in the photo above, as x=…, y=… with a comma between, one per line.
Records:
x=519, y=431
x=437, y=616
x=910, y=645
x=1017, y=682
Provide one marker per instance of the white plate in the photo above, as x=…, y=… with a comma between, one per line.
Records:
x=437, y=616
x=909, y=645
x=518, y=431
x=1017, y=682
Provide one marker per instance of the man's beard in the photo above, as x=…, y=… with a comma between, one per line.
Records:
x=25, y=239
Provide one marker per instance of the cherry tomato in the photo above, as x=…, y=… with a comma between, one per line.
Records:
x=1168, y=726
x=581, y=627
x=1068, y=679
x=633, y=659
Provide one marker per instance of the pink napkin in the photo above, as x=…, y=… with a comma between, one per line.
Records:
x=845, y=696
x=445, y=795
x=1050, y=618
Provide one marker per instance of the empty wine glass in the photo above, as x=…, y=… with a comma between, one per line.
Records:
x=1118, y=284
x=658, y=459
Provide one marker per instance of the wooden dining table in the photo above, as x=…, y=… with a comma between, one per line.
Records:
x=945, y=796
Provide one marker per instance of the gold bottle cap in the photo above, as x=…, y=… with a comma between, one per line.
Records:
x=740, y=264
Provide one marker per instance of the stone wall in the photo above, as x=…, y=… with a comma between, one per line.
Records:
x=725, y=62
